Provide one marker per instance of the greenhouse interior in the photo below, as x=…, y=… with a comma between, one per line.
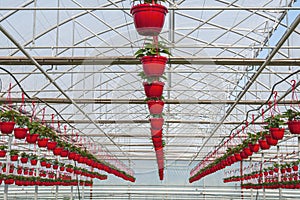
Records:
x=160, y=99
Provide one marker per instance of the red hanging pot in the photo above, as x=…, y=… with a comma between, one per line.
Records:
x=62, y=168
x=238, y=156
x=42, y=142
x=71, y=155
x=154, y=89
x=295, y=168
x=33, y=162
x=2, y=153
x=271, y=141
x=7, y=127
x=157, y=142
x=24, y=160
x=155, y=106
x=294, y=126
x=9, y=181
x=149, y=18
x=20, y=133
x=57, y=151
x=43, y=163
x=48, y=165
x=243, y=155
x=254, y=147
x=277, y=133
x=31, y=138
x=247, y=151
x=156, y=133
x=14, y=158
x=55, y=166
x=263, y=144
x=156, y=123
x=154, y=66
x=64, y=153
x=51, y=145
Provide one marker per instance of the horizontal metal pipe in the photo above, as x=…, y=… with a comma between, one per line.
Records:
x=129, y=60
x=142, y=101
x=169, y=8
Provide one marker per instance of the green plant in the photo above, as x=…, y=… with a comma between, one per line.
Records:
x=274, y=121
x=262, y=134
x=150, y=79
x=33, y=157
x=292, y=115
x=22, y=121
x=8, y=115
x=253, y=138
x=13, y=152
x=24, y=155
x=151, y=49
x=34, y=127
x=3, y=147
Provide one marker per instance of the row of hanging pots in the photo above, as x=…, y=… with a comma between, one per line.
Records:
x=46, y=137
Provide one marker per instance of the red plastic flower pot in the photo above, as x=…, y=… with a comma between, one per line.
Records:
x=14, y=158
x=254, y=147
x=48, y=165
x=20, y=133
x=24, y=160
x=31, y=138
x=156, y=123
x=149, y=18
x=155, y=106
x=294, y=126
x=156, y=133
x=57, y=151
x=9, y=181
x=64, y=153
x=33, y=162
x=7, y=127
x=62, y=168
x=243, y=155
x=238, y=156
x=295, y=168
x=157, y=142
x=71, y=155
x=42, y=142
x=43, y=163
x=247, y=151
x=51, y=145
x=55, y=166
x=271, y=141
x=277, y=133
x=154, y=89
x=2, y=153
x=263, y=144
x=154, y=66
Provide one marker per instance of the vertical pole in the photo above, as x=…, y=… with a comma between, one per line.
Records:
x=263, y=178
x=71, y=194
x=279, y=172
x=83, y=197
x=7, y=166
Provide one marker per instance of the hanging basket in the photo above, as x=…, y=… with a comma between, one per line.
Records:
x=14, y=158
x=271, y=141
x=149, y=18
x=7, y=127
x=156, y=133
x=247, y=151
x=294, y=126
x=155, y=106
x=51, y=145
x=277, y=133
x=31, y=138
x=57, y=151
x=2, y=153
x=156, y=123
x=42, y=142
x=154, y=89
x=24, y=160
x=157, y=142
x=20, y=133
x=254, y=147
x=263, y=144
x=154, y=66
x=238, y=157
